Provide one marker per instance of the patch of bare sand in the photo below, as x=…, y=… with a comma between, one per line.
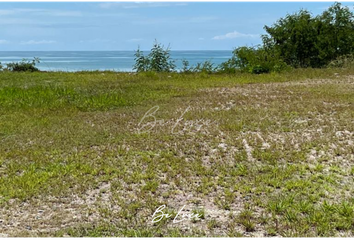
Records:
x=47, y=215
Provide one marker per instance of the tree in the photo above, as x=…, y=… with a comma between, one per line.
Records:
x=141, y=62
x=335, y=28
x=23, y=66
x=260, y=59
x=306, y=41
x=294, y=38
x=158, y=60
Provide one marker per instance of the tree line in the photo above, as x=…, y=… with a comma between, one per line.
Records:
x=298, y=40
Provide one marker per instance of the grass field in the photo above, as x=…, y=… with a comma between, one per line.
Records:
x=96, y=153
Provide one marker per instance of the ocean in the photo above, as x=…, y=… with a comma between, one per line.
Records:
x=123, y=61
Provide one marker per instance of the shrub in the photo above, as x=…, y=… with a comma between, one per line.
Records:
x=230, y=66
x=185, y=66
x=141, y=62
x=254, y=60
x=205, y=67
x=23, y=66
x=300, y=40
x=158, y=60
x=303, y=40
x=344, y=61
x=201, y=67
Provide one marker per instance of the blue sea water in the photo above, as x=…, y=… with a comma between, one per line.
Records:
x=104, y=60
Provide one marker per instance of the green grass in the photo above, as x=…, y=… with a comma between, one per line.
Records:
x=254, y=155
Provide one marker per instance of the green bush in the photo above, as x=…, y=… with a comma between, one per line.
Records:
x=300, y=40
x=141, y=62
x=201, y=67
x=303, y=40
x=205, y=67
x=344, y=61
x=185, y=66
x=230, y=66
x=23, y=66
x=158, y=60
x=255, y=60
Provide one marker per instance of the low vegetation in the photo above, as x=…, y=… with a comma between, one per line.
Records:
x=97, y=153
x=23, y=66
x=158, y=60
x=299, y=40
x=253, y=155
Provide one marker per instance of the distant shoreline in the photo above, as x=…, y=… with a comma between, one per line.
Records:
x=122, y=61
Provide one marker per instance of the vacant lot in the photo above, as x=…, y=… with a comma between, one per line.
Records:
x=95, y=154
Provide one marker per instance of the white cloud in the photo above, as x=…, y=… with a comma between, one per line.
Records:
x=100, y=40
x=2, y=41
x=182, y=4
x=201, y=19
x=6, y=12
x=40, y=12
x=135, y=40
x=18, y=21
x=234, y=34
x=174, y=20
x=128, y=5
x=32, y=42
x=63, y=13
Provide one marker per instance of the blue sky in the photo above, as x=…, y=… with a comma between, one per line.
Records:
x=126, y=25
